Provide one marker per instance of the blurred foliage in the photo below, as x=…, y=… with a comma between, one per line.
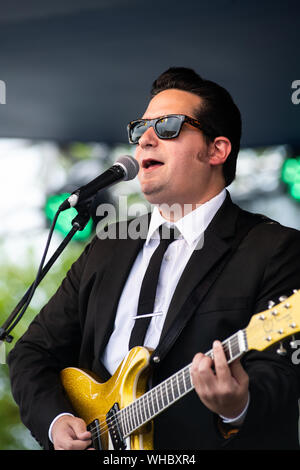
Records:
x=14, y=281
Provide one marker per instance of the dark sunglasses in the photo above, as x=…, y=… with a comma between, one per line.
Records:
x=165, y=127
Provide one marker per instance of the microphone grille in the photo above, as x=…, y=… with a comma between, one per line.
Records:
x=130, y=166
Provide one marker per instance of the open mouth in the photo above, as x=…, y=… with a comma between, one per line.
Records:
x=151, y=163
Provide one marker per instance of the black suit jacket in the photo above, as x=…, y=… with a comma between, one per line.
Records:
x=75, y=325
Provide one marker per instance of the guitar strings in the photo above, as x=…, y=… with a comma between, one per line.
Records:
x=123, y=418
x=133, y=407
x=120, y=419
x=164, y=394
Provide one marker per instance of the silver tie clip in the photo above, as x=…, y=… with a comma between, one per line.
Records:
x=147, y=315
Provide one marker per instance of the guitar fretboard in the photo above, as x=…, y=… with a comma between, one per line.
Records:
x=172, y=389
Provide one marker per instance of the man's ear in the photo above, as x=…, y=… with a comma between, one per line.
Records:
x=220, y=148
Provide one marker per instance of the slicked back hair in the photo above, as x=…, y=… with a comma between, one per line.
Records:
x=218, y=113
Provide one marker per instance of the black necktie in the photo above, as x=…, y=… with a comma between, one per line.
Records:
x=148, y=288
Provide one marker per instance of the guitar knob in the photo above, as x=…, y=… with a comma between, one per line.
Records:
x=281, y=350
x=293, y=343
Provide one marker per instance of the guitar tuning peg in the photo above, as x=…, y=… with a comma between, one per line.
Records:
x=281, y=350
x=282, y=298
x=295, y=291
x=271, y=304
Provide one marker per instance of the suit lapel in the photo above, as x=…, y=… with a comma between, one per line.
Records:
x=217, y=242
x=216, y=245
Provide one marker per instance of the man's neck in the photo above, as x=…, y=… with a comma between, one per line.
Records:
x=175, y=211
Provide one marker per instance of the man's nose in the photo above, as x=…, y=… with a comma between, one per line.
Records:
x=149, y=138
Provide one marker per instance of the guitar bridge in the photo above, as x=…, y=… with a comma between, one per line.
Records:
x=115, y=432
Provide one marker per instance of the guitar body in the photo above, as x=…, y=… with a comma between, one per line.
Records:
x=92, y=400
x=131, y=409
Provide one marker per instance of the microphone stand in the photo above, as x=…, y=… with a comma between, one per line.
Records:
x=78, y=224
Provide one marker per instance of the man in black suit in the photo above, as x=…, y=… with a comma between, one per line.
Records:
x=225, y=266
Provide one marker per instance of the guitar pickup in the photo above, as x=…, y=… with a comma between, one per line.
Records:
x=94, y=428
x=115, y=429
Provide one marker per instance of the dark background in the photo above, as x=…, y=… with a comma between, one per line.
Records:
x=81, y=69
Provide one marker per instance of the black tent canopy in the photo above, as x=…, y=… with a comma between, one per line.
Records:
x=81, y=69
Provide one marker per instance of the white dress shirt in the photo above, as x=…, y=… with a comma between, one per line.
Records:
x=191, y=228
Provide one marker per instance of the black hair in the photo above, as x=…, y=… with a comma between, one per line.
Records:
x=218, y=113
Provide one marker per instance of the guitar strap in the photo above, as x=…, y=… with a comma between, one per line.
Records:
x=247, y=222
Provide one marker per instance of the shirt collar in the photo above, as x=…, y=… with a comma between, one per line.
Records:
x=190, y=226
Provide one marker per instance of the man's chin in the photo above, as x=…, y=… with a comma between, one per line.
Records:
x=154, y=196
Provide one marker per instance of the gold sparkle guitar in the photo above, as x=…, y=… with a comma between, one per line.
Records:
x=119, y=413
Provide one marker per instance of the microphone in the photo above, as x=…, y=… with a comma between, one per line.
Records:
x=126, y=168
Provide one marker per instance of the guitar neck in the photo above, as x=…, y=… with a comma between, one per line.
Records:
x=156, y=400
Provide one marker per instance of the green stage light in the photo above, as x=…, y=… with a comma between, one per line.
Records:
x=64, y=221
x=295, y=191
x=290, y=175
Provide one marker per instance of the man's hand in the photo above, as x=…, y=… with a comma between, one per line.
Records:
x=70, y=433
x=223, y=390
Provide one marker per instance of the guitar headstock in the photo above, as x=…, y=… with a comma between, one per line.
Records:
x=274, y=324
